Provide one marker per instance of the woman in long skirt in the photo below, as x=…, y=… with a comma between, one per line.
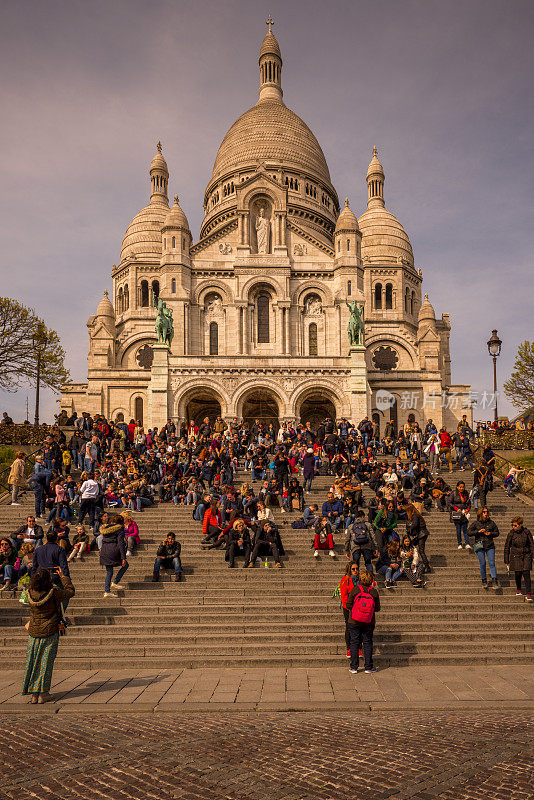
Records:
x=45, y=623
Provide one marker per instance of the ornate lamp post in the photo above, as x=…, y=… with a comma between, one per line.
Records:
x=494, y=349
x=39, y=342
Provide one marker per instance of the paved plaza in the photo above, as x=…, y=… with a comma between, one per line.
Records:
x=322, y=755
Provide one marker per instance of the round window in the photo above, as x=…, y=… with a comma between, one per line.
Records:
x=145, y=356
x=385, y=358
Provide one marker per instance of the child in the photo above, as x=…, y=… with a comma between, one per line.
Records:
x=66, y=458
x=80, y=543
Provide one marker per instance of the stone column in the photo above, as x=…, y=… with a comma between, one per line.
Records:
x=158, y=388
x=360, y=392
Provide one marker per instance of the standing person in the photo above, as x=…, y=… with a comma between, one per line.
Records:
x=445, y=445
x=46, y=621
x=459, y=506
x=113, y=553
x=359, y=540
x=418, y=532
x=518, y=554
x=308, y=469
x=16, y=478
x=89, y=491
x=362, y=604
x=348, y=582
x=485, y=531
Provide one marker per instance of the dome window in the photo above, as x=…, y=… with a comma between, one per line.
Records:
x=214, y=339
x=173, y=242
x=155, y=290
x=173, y=286
x=389, y=295
x=378, y=296
x=126, y=298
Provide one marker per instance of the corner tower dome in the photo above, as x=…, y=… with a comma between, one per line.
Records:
x=383, y=237
x=143, y=235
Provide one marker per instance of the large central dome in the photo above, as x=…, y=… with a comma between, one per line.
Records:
x=271, y=132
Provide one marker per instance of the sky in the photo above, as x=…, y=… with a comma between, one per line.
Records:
x=444, y=88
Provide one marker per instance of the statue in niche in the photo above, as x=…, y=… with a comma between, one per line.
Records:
x=262, y=231
x=215, y=306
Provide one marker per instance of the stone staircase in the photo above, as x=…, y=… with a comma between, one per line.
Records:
x=266, y=617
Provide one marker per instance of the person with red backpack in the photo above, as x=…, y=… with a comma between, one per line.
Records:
x=362, y=604
x=445, y=445
x=348, y=582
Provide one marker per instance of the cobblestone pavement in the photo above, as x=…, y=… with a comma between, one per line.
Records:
x=272, y=689
x=291, y=756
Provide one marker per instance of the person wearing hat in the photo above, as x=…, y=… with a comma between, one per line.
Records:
x=308, y=469
x=421, y=496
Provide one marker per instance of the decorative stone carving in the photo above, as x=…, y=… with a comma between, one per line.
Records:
x=262, y=231
x=225, y=249
x=215, y=307
x=314, y=307
x=300, y=250
x=385, y=358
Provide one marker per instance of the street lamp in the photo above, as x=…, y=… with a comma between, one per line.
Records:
x=494, y=349
x=39, y=342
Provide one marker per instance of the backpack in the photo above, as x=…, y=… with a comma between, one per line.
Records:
x=359, y=534
x=363, y=608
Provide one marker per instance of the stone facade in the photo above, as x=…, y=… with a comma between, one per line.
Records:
x=259, y=302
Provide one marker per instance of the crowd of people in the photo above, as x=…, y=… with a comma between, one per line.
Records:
x=109, y=472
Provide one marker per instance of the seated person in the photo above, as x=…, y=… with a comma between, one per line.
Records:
x=359, y=540
x=323, y=539
x=131, y=533
x=389, y=564
x=421, y=496
x=333, y=510
x=374, y=505
x=238, y=542
x=411, y=564
x=386, y=520
x=8, y=556
x=23, y=562
x=168, y=555
x=311, y=515
x=30, y=533
x=62, y=530
x=212, y=524
x=267, y=541
x=295, y=496
x=264, y=513
x=440, y=493
x=80, y=543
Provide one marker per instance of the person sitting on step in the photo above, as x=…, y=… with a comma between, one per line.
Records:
x=411, y=564
x=238, y=542
x=131, y=533
x=323, y=539
x=168, y=556
x=80, y=543
x=267, y=541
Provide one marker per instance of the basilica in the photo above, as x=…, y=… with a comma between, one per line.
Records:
x=261, y=302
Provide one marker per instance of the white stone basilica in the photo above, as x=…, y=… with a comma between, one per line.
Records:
x=259, y=301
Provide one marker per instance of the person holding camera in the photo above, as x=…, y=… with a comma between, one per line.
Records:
x=44, y=628
x=484, y=531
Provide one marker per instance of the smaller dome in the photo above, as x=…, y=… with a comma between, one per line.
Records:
x=383, y=237
x=375, y=167
x=347, y=219
x=105, y=309
x=176, y=217
x=143, y=235
x=426, y=312
x=158, y=162
x=270, y=46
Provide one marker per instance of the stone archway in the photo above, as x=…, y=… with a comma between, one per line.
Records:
x=202, y=403
x=316, y=407
x=261, y=404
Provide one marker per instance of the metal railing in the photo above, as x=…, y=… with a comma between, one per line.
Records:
x=5, y=492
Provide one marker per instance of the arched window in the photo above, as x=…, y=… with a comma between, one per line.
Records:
x=120, y=301
x=312, y=339
x=378, y=295
x=389, y=295
x=348, y=245
x=412, y=302
x=262, y=307
x=349, y=288
x=406, y=299
x=126, y=298
x=138, y=410
x=338, y=245
x=155, y=289
x=173, y=285
x=214, y=339
x=144, y=294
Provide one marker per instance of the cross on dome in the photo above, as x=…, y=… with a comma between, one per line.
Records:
x=159, y=147
x=176, y=198
x=375, y=151
x=269, y=22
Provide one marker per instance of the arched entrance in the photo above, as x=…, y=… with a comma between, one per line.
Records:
x=202, y=404
x=261, y=404
x=316, y=408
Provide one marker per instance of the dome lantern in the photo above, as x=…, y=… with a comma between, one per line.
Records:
x=375, y=182
x=270, y=62
x=159, y=178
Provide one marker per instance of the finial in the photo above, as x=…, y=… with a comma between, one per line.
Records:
x=176, y=199
x=375, y=151
x=105, y=292
x=426, y=296
x=346, y=202
x=269, y=22
x=159, y=147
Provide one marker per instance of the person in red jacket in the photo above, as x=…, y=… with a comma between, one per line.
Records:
x=445, y=444
x=348, y=582
x=211, y=524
